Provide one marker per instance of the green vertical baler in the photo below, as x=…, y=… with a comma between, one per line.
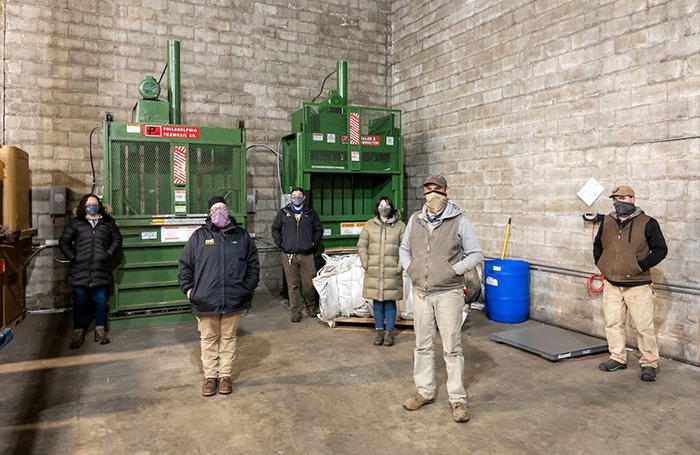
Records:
x=159, y=176
x=345, y=157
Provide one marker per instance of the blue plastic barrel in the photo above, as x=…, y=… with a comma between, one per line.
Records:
x=507, y=290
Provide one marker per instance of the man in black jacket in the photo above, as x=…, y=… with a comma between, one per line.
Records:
x=629, y=243
x=297, y=231
x=218, y=271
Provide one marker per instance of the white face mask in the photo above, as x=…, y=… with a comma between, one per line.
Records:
x=435, y=201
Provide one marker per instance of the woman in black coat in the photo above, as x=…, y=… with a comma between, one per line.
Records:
x=89, y=242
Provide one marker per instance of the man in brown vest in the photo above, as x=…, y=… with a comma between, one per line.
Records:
x=438, y=248
x=629, y=243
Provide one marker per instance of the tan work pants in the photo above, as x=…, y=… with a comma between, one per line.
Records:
x=431, y=312
x=217, y=338
x=638, y=300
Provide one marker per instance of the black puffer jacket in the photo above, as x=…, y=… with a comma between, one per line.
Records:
x=297, y=237
x=90, y=251
x=221, y=268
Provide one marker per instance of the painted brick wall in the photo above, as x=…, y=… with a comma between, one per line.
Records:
x=68, y=62
x=519, y=103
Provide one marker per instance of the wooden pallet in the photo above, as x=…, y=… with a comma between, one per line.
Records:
x=349, y=322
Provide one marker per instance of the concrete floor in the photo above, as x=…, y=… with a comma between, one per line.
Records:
x=308, y=389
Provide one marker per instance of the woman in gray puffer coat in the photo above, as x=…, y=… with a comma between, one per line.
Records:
x=379, y=252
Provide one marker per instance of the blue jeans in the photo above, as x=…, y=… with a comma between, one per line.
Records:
x=384, y=310
x=82, y=297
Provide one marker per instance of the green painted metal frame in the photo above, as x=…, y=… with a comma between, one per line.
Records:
x=343, y=180
x=145, y=290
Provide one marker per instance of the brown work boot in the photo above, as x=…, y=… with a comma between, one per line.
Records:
x=296, y=317
x=209, y=387
x=78, y=338
x=389, y=338
x=416, y=402
x=379, y=339
x=101, y=335
x=460, y=412
x=225, y=385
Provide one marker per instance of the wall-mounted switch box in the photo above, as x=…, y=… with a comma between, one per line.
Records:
x=251, y=201
x=57, y=200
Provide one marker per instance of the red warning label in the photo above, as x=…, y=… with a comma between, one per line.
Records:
x=372, y=141
x=179, y=165
x=170, y=131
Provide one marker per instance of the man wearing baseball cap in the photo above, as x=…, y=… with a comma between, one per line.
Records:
x=438, y=248
x=629, y=243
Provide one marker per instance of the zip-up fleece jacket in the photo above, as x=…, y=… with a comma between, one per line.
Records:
x=221, y=268
x=90, y=251
x=378, y=247
x=625, y=251
x=297, y=237
x=437, y=254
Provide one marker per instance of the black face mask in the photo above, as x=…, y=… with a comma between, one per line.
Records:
x=624, y=208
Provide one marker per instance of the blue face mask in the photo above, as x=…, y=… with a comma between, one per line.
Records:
x=92, y=209
x=297, y=201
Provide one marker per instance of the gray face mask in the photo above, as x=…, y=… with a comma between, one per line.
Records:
x=624, y=208
x=384, y=211
x=297, y=201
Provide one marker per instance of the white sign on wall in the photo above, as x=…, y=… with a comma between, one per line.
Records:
x=590, y=191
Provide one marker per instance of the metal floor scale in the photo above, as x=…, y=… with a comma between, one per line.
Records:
x=552, y=343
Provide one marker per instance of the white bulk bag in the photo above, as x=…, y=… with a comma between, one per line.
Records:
x=339, y=285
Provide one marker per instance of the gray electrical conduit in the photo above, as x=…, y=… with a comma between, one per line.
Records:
x=277, y=161
x=654, y=141
x=671, y=287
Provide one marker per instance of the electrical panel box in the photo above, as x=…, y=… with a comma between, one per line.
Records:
x=251, y=200
x=57, y=200
x=15, y=189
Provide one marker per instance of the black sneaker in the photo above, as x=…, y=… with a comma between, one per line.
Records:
x=649, y=374
x=612, y=365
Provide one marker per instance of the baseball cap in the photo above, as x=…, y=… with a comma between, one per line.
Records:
x=622, y=190
x=435, y=179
